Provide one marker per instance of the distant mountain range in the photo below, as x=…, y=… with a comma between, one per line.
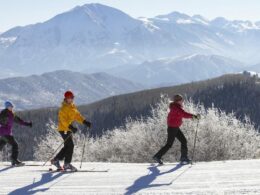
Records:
x=172, y=71
x=47, y=90
x=95, y=37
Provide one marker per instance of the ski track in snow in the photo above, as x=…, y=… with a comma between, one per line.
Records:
x=221, y=177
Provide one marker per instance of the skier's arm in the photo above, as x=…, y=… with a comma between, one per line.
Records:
x=186, y=114
x=3, y=118
x=78, y=117
x=81, y=119
x=18, y=120
x=22, y=122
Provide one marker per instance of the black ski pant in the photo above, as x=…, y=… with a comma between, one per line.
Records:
x=174, y=132
x=67, y=151
x=9, y=139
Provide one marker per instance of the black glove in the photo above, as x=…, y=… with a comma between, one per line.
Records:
x=87, y=123
x=198, y=116
x=73, y=129
x=28, y=124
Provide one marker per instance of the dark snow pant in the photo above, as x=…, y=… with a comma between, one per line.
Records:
x=67, y=151
x=9, y=139
x=174, y=132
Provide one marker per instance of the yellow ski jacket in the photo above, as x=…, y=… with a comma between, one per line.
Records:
x=68, y=114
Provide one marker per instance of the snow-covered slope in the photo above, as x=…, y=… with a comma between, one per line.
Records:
x=47, y=89
x=95, y=37
x=215, y=178
x=178, y=70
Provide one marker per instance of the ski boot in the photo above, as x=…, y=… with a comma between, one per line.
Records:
x=56, y=163
x=185, y=161
x=17, y=163
x=158, y=160
x=69, y=167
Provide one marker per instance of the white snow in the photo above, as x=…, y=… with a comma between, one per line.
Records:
x=250, y=73
x=162, y=19
x=183, y=21
x=149, y=25
x=247, y=25
x=200, y=19
x=226, y=40
x=190, y=56
x=230, y=177
x=7, y=41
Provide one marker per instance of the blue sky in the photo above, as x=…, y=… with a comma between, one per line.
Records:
x=23, y=12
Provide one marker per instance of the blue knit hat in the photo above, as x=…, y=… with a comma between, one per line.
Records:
x=8, y=104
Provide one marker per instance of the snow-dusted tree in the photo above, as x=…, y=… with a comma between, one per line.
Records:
x=1, y=156
x=5, y=153
x=220, y=137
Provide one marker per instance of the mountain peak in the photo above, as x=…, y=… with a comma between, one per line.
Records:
x=100, y=9
x=200, y=19
x=182, y=18
x=91, y=6
x=176, y=14
x=105, y=16
x=219, y=21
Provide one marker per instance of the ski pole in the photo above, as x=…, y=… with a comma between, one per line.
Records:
x=83, y=151
x=195, y=140
x=57, y=149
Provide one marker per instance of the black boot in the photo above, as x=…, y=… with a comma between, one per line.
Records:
x=56, y=163
x=17, y=163
x=185, y=160
x=158, y=160
x=69, y=167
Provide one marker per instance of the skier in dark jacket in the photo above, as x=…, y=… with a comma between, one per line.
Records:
x=174, y=122
x=7, y=119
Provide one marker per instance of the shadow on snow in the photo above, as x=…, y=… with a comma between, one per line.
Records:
x=5, y=169
x=30, y=189
x=145, y=181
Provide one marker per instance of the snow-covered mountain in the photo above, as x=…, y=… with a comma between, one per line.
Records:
x=215, y=178
x=47, y=90
x=178, y=70
x=85, y=37
x=96, y=37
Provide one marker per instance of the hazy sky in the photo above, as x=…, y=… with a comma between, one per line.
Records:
x=22, y=12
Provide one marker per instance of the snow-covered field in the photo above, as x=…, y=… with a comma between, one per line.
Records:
x=229, y=177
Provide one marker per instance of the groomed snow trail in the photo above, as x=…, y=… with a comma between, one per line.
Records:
x=229, y=177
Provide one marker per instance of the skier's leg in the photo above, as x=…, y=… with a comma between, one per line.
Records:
x=171, y=136
x=61, y=154
x=184, y=148
x=69, y=145
x=68, y=155
x=2, y=143
x=15, y=149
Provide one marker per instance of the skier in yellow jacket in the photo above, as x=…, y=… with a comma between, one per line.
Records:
x=68, y=114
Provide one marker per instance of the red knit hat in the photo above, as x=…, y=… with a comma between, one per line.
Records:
x=68, y=94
